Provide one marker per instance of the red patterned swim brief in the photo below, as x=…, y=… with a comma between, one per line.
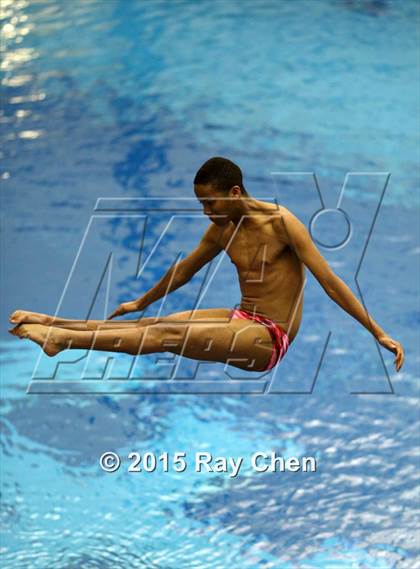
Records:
x=279, y=336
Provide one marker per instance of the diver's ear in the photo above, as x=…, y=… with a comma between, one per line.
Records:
x=235, y=192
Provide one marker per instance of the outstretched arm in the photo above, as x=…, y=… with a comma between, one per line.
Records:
x=173, y=279
x=178, y=275
x=298, y=238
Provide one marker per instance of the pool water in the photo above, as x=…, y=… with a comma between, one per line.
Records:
x=106, y=102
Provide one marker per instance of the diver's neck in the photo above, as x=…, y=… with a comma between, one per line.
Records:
x=244, y=211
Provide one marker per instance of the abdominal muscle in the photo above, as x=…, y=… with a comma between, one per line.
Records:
x=279, y=296
x=271, y=276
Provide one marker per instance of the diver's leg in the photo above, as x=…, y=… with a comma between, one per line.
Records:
x=53, y=339
x=241, y=343
x=27, y=317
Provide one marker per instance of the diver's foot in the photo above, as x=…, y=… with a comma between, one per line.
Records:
x=51, y=340
x=20, y=316
x=14, y=330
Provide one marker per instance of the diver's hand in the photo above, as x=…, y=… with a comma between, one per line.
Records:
x=124, y=308
x=395, y=347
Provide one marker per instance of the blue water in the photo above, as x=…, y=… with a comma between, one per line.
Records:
x=114, y=99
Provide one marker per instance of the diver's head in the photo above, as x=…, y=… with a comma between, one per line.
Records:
x=218, y=185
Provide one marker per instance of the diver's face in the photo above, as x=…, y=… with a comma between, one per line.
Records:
x=214, y=206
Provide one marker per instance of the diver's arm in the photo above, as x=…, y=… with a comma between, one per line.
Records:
x=173, y=279
x=182, y=272
x=178, y=274
x=300, y=241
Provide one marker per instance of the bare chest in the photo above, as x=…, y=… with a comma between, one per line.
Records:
x=253, y=249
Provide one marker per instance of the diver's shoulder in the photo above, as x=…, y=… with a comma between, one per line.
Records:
x=273, y=208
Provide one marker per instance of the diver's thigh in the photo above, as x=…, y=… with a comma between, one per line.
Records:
x=241, y=343
x=208, y=314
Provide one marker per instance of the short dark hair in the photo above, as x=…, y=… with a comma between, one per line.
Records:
x=221, y=173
